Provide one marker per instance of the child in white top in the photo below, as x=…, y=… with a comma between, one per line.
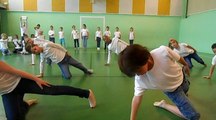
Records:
x=115, y=45
x=107, y=33
x=131, y=36
x=41, y=35
x=211, y=71
x=98, y=37
x=37, y=29
x=17, y=44
x=117, y=33
x=59, y=55
x=61, y=37
x=186, y=51
x=85, y=35
x=158, y=69
x=15, y=83
x=4, y=44
x=51, y=34
x=75, y=36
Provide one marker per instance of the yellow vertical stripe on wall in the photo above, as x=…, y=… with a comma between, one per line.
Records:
x=138, y=7
x=30, y=5
x=163, y=7
x=112, y=6
x=58, y=5
x=85, y=6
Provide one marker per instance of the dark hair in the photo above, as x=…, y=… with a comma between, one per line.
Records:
x=132, y=58
x=213, y=46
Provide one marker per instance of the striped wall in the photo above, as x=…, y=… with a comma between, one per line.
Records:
x=140, y=7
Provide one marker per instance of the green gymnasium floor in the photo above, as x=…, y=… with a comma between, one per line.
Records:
x=112, y=89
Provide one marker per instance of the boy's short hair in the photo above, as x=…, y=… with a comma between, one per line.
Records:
x=132, y=58
x=213, y=46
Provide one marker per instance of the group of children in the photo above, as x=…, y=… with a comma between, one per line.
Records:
x=156, y=69
x=84, y=33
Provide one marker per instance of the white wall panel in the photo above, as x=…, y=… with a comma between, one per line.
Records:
x=99, y=6
x=44, y=5
x=15, y=5
x=151, y=7
x=125, y=6
x=72, y=6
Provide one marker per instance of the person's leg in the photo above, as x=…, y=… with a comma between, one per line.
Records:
x=75, y=63
x=29, y=86
x=53, y=40
x=183, y=107
x=83, y=41
x=198, y=59
x=33, y=59
x=65, y=70
x=14, y=106
x=60, y=42
x=64, y=42
x=188, y=60
x=75, y=43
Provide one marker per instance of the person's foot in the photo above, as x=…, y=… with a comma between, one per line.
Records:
x=32, y=102
x=160, y=103
x=205, y=65
x=92, y=100
x=89, y=72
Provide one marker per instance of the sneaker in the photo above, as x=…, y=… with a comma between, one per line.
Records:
x=92, y=100
x=89, y=72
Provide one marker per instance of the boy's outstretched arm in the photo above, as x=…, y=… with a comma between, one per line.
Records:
x=210, y=72
x=135, y=106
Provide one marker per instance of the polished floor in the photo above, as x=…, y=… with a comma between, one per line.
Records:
x=113, y=91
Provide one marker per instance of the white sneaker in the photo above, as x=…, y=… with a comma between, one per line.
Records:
x=160, y=103
x=89, y=72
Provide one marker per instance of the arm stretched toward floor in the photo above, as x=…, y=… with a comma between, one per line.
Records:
x=210, y=72
x=135, y=106
x=11, y=70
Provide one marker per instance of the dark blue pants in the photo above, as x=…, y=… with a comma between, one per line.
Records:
x=16, y=108
x=195, y=57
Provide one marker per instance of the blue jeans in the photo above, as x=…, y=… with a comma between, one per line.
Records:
x=195, y=57
x=180, y=99
x=16, y=108
x=64, y=66
x=62, y=42
x=84, y=38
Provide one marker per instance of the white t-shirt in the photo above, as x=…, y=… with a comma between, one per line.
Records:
x=61, y=34
x=117, y=34
x=8, y=82
x=75, y=34
x=131, y=36
x=98, y=34
x=214, y=60
x=84, y=32
x=183, y=50
x=166, y=74
x=116, y=46
x=51, y=33
x=3, y=44
x=107, y=33
x=53, y=51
